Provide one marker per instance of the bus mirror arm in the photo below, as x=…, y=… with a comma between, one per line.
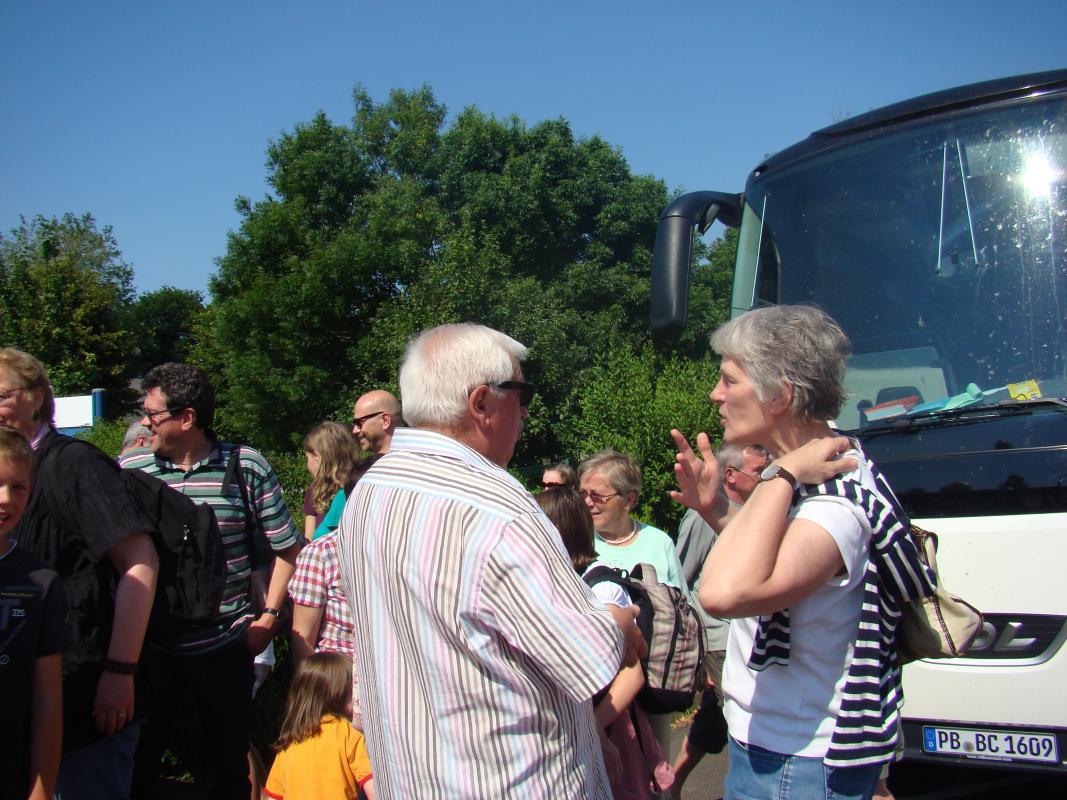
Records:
x=674, y=251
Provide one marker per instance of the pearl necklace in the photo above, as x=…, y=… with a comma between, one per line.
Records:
x=622, y=541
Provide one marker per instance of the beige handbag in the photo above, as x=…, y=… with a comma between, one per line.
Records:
x=941, y=625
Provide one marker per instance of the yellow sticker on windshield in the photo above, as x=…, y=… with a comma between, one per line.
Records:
x=1027, y=390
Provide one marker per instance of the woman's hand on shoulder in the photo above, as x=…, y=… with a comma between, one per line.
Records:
x=819, y=460
x=697, y=475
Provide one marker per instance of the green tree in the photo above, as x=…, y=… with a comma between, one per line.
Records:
x=107, y=435
x=398, y=221
x=64, y=295
x=162, y=323
x=630, y=402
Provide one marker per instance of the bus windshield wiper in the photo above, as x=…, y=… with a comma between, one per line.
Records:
x=962, y=415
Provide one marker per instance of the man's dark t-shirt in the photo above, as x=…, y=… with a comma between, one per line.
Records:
x=78, y=510
x=33, y=624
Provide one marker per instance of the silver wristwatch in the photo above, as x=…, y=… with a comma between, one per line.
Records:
x=775, y=471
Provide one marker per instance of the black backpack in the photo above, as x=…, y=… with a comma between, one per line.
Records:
x=674, y=633
x=192, y=564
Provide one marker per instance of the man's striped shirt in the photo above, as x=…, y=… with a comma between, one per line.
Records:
x=204, y=484
x=478, y=647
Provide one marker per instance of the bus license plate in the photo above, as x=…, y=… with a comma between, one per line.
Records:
x=1001, y=745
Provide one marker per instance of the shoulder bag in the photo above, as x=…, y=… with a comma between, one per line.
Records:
x=940, y=625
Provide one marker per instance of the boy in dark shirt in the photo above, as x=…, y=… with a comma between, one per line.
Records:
x=33, y=622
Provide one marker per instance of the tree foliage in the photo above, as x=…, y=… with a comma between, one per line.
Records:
x=162, y=322
x=400, y=220
x=106, y=435
x=630, y=402
x=64, y=295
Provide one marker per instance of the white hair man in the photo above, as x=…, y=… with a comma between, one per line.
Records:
x=477, y=646
x=137, y=437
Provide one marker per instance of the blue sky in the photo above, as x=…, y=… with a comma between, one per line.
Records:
x=154, y=116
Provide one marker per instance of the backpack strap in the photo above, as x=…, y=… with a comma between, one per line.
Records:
x=233, y=467
x=234, y=473
x=605, y=573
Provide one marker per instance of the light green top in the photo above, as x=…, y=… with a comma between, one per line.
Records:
x=650, y=546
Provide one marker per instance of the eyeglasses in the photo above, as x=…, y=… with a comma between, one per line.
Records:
x=552, y=485
x=358, y=422
x=752, y=475
x=7, y=394
x=597, y=498
x=526, y=390
x=151, y=415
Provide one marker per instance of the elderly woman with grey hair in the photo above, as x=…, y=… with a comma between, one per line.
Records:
x=812, y=679
x=610, y=485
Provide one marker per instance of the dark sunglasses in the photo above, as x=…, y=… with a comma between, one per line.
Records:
x=526, y=390
x=358, y=422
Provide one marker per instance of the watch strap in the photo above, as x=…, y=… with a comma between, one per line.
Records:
x=776, y=471
x=120, y=667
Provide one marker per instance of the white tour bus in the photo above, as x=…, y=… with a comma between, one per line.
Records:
x=935, y=232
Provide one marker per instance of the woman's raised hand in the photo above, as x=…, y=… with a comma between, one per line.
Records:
x=697, y=475
x=818, y=460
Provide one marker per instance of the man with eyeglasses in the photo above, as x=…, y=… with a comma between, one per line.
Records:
x=478, y=648
x=739, y=467
x=375, y=417
x=211, y=669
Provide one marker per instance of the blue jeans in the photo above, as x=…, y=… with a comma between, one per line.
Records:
x=101, y=770
x=758, y=774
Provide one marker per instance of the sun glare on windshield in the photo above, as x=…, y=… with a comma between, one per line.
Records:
x=1039, y=174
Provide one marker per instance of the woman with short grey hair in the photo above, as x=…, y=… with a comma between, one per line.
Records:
x=796, y=345
x=812, y=678
x=610, y=485
x=620, y=469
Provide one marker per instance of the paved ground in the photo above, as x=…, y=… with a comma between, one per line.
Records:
x=706, y=781
x=908, y=781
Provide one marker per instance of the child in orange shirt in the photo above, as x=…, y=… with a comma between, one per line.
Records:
x=320, y=753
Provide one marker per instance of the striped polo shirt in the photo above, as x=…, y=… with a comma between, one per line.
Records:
x=478, y=647
x=203, y=482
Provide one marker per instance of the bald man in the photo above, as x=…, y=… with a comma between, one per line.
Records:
x=375, y=417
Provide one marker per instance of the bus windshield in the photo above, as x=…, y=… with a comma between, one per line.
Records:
x=940, y=248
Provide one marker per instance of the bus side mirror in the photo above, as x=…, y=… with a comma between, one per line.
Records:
x=674, y=251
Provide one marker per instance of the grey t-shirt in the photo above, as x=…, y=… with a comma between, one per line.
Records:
x=695, y=540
